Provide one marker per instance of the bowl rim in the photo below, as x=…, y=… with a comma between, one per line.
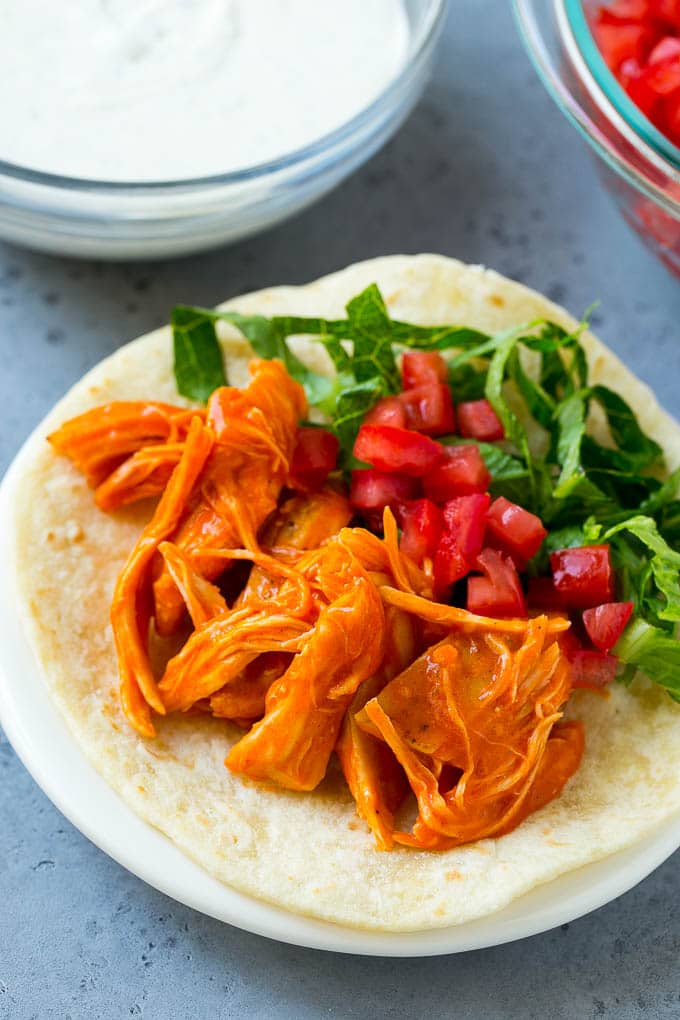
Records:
x=632, y=116
x=421, y=44
x=609, y=150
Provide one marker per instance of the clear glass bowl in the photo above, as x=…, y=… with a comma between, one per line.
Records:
x=643, y=181
x=98, y=219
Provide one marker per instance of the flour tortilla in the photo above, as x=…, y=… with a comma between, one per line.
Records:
x=310, y=853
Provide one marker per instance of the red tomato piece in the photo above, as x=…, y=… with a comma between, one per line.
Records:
x=499, y=593
x=619, y=42
x=515, y=530
x=464, y=520
x=668, y=11
x=640, y=42
x=592, y=670
x=542, y=594
x=422, y=368
x=634, y=80
x=422, y=524
x=314, y=456
x=605, y=624
x=429, y=409
x=478, y=420
x=569, y=643
x=625, y=10
x=667, y=49
x=388, y=411
x=392, y=449
x=460, y=472
x=663, y=78
x=449, y=565
x=373, y=490
x=583, y=576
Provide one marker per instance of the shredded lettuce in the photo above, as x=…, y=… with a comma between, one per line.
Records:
x=664, y=562
x=653, y=652
x=199, y=366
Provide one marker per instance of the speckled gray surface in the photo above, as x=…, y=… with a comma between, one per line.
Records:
x=486, y=170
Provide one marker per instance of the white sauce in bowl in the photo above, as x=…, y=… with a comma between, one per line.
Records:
x=147, y=90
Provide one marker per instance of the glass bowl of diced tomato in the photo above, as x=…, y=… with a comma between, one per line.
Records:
x=613, y=68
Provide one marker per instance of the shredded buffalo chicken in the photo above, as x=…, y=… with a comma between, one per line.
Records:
x=447, y=725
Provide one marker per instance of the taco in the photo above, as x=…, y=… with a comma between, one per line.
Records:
x=587, y=444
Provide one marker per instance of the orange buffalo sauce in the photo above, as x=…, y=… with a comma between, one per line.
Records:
x=472, y=723
x=447, y=725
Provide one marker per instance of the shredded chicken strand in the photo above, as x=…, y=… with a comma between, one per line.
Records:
x=460, y=707
x=375, y=778
x=270, y=566
x=304, y=709
x=255, y=432
x=451, y=616
x=130, y=607
x=143, y=475
x=221, y=648
x=99, y=440
x=203, y=599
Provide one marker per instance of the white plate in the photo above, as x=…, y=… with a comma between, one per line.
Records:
x=42, y=740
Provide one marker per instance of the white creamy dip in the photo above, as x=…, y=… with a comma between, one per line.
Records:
x=161, y=89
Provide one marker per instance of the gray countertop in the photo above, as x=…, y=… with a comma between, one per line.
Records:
x=485, y=169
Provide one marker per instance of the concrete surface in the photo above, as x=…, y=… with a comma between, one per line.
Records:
x=486, y=169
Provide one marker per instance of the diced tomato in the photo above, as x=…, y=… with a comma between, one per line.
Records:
x=422, y=368
x=449, y=565
x=640, y=42
x=464, y=520
x=314, y=456
x=460, y=472
x=392, y=449
x=388, y=411
x=625, y=10
x=592, y=670
x=663, y=78
x=667, y=49
x=429, y=409
x=569, y=642
x=605, y=624
x=373, y=490
x=422, y=524
x=583, y=576
x=516, y=530
x=478, y=420
x=634, y=80
x=542, y=594
x=619, y=42
x=668, y=11
x=499, y=593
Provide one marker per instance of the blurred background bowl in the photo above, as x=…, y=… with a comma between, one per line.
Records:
x=98, y=219
x=643, y=178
